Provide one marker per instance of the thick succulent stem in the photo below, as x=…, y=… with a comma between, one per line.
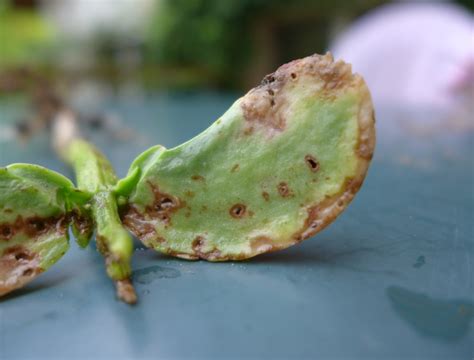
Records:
x=96, y=176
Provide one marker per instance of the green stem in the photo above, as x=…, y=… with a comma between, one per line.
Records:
x=95, y=175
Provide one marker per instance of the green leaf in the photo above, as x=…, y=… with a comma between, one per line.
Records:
x=36, y=205
x=276, y=168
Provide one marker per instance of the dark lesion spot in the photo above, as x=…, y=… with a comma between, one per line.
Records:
x=38, y=225
x=266, y=195
x=238, y=211
x=198, y=243
x=136, y=222
x=312, y=163
x=163, y=217
x=268, y=79
x=323, y=213
x=6, y=232
x=197, y=178
x=18, y=266
x=264, y=106
x=34, y=226
x=22, y=255
x=28, y=272
x=165, y=203
x=235, y=168
x=284, y=190
x=199, y=247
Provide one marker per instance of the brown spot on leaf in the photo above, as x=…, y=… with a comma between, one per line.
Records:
x=264, y=106
x=268, y=79
x=323, y=213
x=284, y=190
x=264, y=112
x=33, y=226
x=198, y=243
x=6, y=232
x=164, y=205
x=235, y=168
x=312, y=163
x=238, y=211
x=141, y=223
x=335, y=76
x=366, y=140
x=18, y=266
x=140, y=227
x=21, y=255
x=266, y=195
x=199, y=248
x=27, y=272
x=262, y=244
x=197, y=178
x=267, y=105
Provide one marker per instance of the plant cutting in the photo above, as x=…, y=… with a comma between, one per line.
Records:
x=280, y=165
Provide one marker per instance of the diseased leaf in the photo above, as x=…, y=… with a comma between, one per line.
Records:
x=276, y=168
x=36, y=205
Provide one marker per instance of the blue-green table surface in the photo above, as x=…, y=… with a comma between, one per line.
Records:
x=392, y=278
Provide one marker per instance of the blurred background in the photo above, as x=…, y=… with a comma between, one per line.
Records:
x=86, y=53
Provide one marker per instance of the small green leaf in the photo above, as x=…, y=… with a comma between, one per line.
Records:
x=35, y=204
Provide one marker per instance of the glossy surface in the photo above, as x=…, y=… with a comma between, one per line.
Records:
x=391, y=278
